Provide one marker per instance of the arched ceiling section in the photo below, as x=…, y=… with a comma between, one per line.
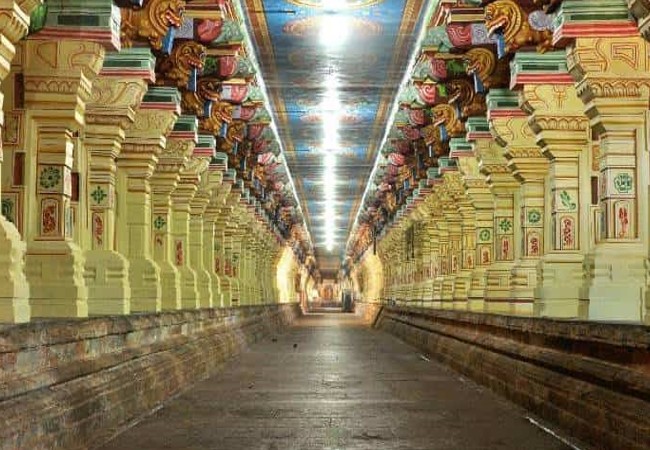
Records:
x=332, y=69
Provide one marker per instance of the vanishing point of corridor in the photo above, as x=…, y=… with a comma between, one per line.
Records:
x=330, y=382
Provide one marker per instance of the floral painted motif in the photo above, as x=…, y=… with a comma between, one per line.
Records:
x=623, y=183
x=622, y=220
x=567, y=233
x=505, y=249
x=534, y=216
x=567, y=201
x=8, y=210
x=505, y=225
x=50, y=177
x=159, y=223
x=98, y=195
x=98, y=229
x=533, y=244
x=485, y=235
x=49, y=217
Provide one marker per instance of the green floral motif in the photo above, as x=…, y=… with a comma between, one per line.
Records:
x=567, y=201
x=623, y=183
x=485, y=235
x=534, y=216
x=98, y=195
x=505, y=225
x=8, y=210
x=50, y=177
x=159, y=223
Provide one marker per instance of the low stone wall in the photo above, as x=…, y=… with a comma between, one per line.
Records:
x=367, y=311
x=590, y=379
x=72, y=384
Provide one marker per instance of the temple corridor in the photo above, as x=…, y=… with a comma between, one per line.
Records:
x=188, y=186
x=344, y=386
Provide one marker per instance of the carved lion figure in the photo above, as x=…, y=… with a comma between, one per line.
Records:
x=519, y=28
x=151, y=22
x=177, y=68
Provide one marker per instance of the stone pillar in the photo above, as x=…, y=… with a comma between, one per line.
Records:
x=478, y=193
x=144, y=143
x=509, y=125
x=503, y=186
x=14, y=288
x=451, y=239
x=57, y=81
x=203, y=153
x=115, y=96
x=556, y=116
x=211, y=184
x=182, y=198
x=616, y=97
x=213, y=232
x=175, y=155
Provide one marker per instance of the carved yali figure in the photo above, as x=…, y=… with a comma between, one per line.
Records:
x=155, y=22
x=181, y=68
x=201, y=101
x=516, y=28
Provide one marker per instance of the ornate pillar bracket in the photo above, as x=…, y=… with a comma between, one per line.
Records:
x=555, y=115
x=71, y=19
x=14, y=288
x=115, y=96
x=613, y=81
x=143, y=145
x=598, y=19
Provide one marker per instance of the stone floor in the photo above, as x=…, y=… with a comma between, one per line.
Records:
x=330, y=383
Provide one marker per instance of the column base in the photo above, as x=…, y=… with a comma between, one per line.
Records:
x=476, y=294
x=447, y=295
x=189, y=290
x=170, y=281
x=497, y=291
x=54, y=271
x=462, y=285
x=523, y=282
x=226, y=292
x=107, y=279
x=217, y=297
x=616, y=284
x=560, y=279
x=204, y=285
x=146, y=293
x=437, y=292
x=14, y=288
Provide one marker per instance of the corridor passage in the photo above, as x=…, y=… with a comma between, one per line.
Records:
x=329, y=382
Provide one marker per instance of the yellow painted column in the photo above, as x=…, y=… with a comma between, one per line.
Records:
x=450, y=242
x=478, y=194
x=503, y=186
x=529, y=168
x=58, y=79
x=164, y=181
x=613, y=80
x=562, y=129
x=181, y=202
x=111, y=111
x=143, y=145
x=210, y=189
x=198, y=206
x=14, y=288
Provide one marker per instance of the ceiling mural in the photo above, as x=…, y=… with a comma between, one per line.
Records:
x=332, y=69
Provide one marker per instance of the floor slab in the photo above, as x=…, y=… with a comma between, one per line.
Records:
x=331, y=383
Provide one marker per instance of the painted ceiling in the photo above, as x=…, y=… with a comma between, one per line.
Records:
x=332, y=69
